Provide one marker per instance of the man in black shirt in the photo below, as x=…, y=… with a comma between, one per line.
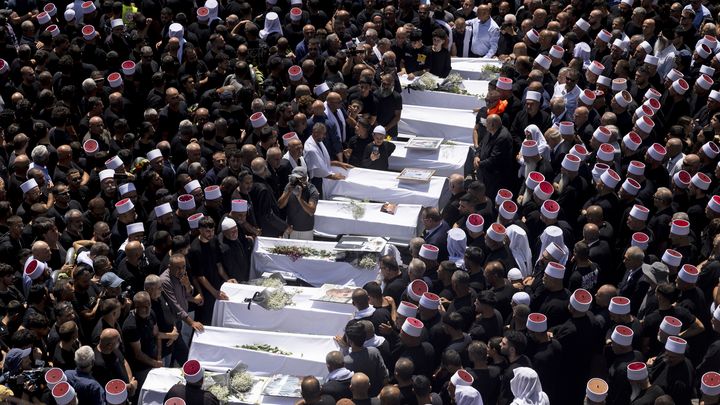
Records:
x=377, y=154
x=513, y=347
x=139, y=334
x=393, y=278
x=110, y=362
x=207, y=271
x=389, y=105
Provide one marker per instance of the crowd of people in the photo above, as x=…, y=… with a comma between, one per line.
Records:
x=146, y=145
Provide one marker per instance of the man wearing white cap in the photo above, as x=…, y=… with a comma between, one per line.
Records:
x=640, y=391
x=545, y=355
x=552, y=300
x=532, y=114
x=234, y=249
x=672, y=371
x=191, y=388
x=573, y=335
x=413, y=347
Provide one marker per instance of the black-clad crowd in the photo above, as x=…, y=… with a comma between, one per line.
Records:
x=146, y=145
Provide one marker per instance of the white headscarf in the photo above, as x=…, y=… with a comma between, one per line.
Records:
x=456, y=245
x=520, y=248
x=272, y=24
x=553, y=234
x=467, y=395
x=526, y=388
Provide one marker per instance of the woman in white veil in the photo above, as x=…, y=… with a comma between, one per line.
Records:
x=520, y=248
x=526, y=387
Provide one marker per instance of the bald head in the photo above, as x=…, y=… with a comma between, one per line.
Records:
x=493, y=122
x=594, y=213
x=591, y=233
x=334, y=360
x=359, y=383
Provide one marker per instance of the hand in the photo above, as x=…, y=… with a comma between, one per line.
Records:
x=198, y=299
x=185, y=280
x=5, y=393
x=172, y=336
x=222, y=296
x=340, y=341
x=158, y=363
x=385, y=329
x=197, y=326
x=650, y=361
x=347, y=152
x=346, y=166
x=132, y=386
x=476, y=162
x=297, y=190
x=375, y=156
x=336, y=176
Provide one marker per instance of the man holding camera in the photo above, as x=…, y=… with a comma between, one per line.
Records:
x=300, y=197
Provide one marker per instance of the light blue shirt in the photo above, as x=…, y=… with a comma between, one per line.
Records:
x=699, y=16
x=485, y=38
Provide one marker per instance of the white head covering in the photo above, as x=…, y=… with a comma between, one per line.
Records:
x=520, y=248
x=467, y=395
x=456, y=245
x=543, y=148
x=272, y=24
x=553, y=234
x=526, y=387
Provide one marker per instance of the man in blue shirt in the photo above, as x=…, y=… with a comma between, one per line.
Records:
x=88, y=390
x=486, y=33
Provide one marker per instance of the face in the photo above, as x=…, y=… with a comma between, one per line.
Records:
x=245, y=184
x=142, y=308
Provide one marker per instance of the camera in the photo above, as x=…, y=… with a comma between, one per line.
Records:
x=295, y=181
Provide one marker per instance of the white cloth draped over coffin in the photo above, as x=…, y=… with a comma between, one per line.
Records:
x=472, y=68
x=378, y=185
x=160, y=380
x=446, y=160
x=314, y=271
x=449, y=123
x=218, y=349
x=336, y=218
x=301, y=317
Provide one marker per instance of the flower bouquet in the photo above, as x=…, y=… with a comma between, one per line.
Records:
x=236, y=385
x=262, y=347
x=490, y=72
x=297, y=252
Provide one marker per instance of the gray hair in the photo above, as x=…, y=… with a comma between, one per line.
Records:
x=88, y=85
x=70, y=213
x=461, y=278
x=185, y=125
x=84, y=357
x=151, y=281
x=149, y=113
x=39, y=153
x=416, y=266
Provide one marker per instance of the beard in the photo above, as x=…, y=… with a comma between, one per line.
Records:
x=635, y=391
x=562, y=182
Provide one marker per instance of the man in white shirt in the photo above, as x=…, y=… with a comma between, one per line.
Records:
x=318, y=160
x=485, y=33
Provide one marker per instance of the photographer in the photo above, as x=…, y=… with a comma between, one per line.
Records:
x=17, y=363
x=300, y=197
